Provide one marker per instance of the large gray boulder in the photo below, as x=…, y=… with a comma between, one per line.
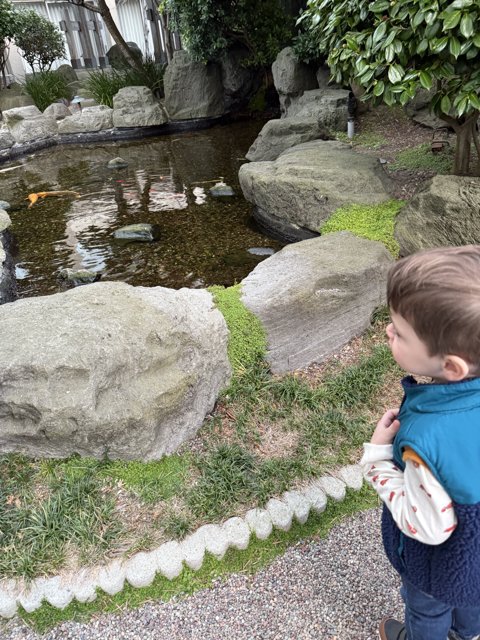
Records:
x=137, y=107
x=240, y=82
x=444, y=213
x=109, y=369
x=418, y=108
x=192, y=89
x=117, y=60
x=57, y=110
x=328, y=106
x=299, y=190
x=29, y=123
x=88, y=119
x=279, y=135
x=313, y=296
x=7, y=269
x=291, y=77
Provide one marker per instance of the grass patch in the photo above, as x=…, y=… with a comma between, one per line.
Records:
x=374, y=222
x=247, y=343
x=151, y=481
x=423, y=158
x=258, y=555
x=368, y=139
x=36, y=529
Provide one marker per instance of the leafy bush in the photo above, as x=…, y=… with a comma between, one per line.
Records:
x=103, y=85
x=40, y=41
x=209, y=28
x=47, y=87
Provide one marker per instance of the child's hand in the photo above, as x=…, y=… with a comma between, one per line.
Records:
x=386, y=428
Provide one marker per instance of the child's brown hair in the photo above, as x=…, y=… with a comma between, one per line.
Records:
x=438, y=292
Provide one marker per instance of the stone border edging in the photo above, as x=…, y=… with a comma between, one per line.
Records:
x=107, y=135
x=169, y=559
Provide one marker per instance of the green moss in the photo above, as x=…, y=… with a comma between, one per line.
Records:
x=259, y=554
x=247, y=343
x=368, y=139
x=375, y=222
x=151, y=481
x=422, y=158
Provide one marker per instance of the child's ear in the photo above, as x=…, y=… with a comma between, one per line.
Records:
x=455, y=368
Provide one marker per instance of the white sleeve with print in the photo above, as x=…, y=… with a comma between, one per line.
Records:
x=420, y=506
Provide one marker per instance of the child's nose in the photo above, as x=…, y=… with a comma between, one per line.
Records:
x=389, y=331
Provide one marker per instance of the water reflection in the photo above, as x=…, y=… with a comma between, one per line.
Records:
x=203, y=240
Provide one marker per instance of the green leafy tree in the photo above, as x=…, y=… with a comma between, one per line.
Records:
x=39, y=40
x=393, y=48
x=7, y=31
x=208, y=27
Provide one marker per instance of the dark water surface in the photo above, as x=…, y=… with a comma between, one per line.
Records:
x=203, y=240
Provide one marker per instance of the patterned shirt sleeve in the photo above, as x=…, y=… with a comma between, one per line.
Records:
x=420, y=506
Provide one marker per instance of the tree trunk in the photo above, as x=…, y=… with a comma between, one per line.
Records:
x=166, y=32
x=464, y=132
x=461, y=164
x=117, y=37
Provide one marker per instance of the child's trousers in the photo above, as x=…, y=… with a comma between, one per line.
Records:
x=430, y=619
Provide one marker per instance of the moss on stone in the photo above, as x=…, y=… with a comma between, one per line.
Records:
x=371, y=221
x=247, y=343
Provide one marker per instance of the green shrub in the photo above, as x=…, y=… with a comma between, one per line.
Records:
x=103, y=85
x=39, y=40
x=46, y=87
x=423, y=158
x=372, y=221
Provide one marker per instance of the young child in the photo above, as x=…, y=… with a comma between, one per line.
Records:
x=424, y=459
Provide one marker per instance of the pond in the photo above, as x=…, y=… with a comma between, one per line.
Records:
x=203, y=240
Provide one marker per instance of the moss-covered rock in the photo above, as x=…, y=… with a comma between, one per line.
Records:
x=374, y=222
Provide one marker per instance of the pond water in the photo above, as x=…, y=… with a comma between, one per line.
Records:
x=203, y=240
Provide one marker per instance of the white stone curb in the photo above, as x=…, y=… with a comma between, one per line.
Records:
x=169, y=559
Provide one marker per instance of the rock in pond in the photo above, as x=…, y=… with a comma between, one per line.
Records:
x=261, y=251
x=29, y=123
x=79, y=276
x=221, y=190
x=89, y=119
x=117, y=163
x=109, y=370
x=137, y=107
x=294, y=194
x=141, y=232
x=4, y=205
x=313, y=296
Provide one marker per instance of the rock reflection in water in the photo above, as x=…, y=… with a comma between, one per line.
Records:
x=203, y=240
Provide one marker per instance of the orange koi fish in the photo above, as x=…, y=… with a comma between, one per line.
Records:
x=33, y=197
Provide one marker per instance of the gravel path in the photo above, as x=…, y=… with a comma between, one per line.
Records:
x=332, y=589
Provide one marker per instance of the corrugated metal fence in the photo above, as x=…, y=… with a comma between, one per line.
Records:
x=86, y=38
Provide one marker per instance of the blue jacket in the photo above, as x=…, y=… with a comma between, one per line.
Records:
x=441, y=423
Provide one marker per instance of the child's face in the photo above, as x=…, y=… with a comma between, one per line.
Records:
x=410, y=352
